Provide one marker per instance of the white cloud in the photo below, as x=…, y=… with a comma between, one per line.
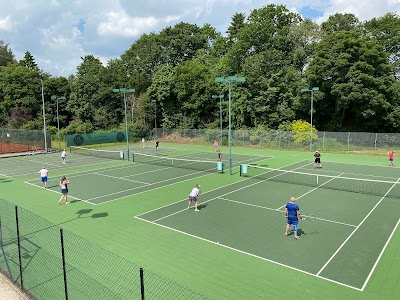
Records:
x=5, y=23
x=58, y=32
x=120, y=24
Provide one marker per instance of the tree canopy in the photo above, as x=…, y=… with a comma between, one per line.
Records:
x=355, y=65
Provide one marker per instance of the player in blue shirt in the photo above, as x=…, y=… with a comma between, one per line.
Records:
x=292, y=214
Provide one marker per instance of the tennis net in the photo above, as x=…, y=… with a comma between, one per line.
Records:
x=198, y=165
x=106, y=154
x=390, y=189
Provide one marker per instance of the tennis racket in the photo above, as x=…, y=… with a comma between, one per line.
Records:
x=309, y=218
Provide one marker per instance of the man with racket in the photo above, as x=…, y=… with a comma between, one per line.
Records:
x=193, y=196
x=317, y=160
x=292, y=214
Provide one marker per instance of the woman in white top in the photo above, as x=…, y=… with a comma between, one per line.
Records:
x=64, y=190
x=193, y=196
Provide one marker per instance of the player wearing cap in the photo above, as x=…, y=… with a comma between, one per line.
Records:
x=193, y=196
x=317, y=160
x=292, y=214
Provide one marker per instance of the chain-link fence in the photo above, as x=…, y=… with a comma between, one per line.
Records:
x=275, y=139
x=22, y=140
x=48, y=262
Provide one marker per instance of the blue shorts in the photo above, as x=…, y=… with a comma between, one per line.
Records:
x=64, y=191
x=44, y=179
x=293, y=222
x=391, y=159
x=192, y=199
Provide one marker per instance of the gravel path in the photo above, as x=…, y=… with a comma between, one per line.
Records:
x=8, y=291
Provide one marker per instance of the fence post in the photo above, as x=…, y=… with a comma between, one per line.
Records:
x=63, y=264
x=19, y=248
x=348, y=143
x=141, y=283
x=376, y=139
x=4, y=253
x=323, y=142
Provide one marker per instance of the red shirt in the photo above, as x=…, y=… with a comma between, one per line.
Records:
x=391, y=154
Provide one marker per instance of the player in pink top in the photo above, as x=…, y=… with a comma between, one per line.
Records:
x=216, y=145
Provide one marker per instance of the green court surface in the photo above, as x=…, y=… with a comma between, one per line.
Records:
x=234, y=247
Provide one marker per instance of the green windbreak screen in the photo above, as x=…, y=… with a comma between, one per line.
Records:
x=95, y=138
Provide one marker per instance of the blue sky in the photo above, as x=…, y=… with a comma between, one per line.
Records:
x=59, y=32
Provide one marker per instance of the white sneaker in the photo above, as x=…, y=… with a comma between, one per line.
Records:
x=196, y=209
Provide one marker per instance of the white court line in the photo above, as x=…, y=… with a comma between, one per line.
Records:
x=56, y=192
x=359, y=225
x=370, y=177
x=173, y=203
x=258, y=182
x=345, y=163
x=150, y=185
x=120, y=178
x=280, y=211
x=312, y=189
x=65, y=167
x=380, y=255
x=191, y=174
x=249, y=254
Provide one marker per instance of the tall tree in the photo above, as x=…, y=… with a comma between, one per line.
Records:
x=20, y=93
x=28, y=61
x=87, y=99
x=385, y=31
x=6, y=55
x=340, y=22
x=237, y=23
x=357, y=85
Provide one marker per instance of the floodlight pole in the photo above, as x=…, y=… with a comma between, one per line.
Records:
x=220, y=112
x=44, y=119
x=155, y=116
x=58, y=119
x=125, y=91
x=229, y=80
x=314, y=89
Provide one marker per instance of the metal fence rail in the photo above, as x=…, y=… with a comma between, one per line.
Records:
x=22, y=140
x=51, y=263
x=276, y=139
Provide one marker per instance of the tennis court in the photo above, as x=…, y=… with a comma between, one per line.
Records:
x=106, y=183
x=356, y=216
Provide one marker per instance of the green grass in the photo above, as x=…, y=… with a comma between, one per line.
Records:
x=207, y=268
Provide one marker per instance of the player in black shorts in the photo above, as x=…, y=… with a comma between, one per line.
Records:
x=219, y=155
x=317, y=160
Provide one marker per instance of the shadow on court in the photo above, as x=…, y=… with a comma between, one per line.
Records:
x=301, y=232
x=5, y=180
x=202, y=206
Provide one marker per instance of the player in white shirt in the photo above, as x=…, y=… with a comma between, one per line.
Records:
x=43, y=174
x=143, y=142
x=193, y=196
x=63, y=156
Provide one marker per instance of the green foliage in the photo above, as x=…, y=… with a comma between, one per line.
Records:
x=137, y=131
x=302, y=132
x=6, y=54
x=34, y=125
x=77, y=127
x=354, y=65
